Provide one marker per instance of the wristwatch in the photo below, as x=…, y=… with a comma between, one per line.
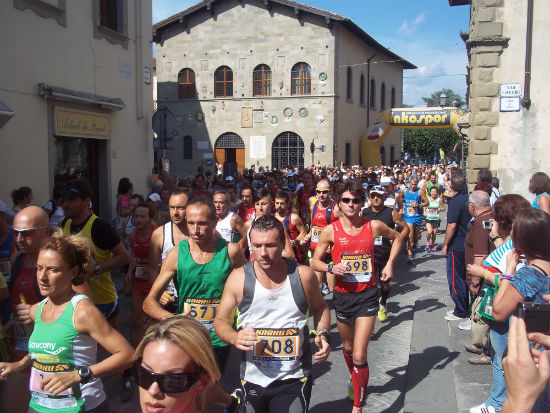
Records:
x=474, y=284
x=97, y=269
x=330, y=266
x=85, y=374
x=325, y=334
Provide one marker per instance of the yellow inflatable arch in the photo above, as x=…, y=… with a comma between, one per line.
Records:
x=405, y=118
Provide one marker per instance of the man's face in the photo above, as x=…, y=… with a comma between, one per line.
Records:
x=267, y=248
x=177, y=205
x=350, y=205
x=322, y=191
x=221, y=204
x=133, y=203
x=29, y=234
x=281, y=206
x=199, y=224
x=433, y=178
x=413, y=185
x=140, y=218
x=246, y=196
x=263, y=206
x=307, y=180
x=376, y=200
x=72, y=207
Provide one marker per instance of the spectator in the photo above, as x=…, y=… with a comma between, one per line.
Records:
x=22, y=198
x=540, y=186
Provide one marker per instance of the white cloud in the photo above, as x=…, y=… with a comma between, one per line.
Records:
x=409, y=27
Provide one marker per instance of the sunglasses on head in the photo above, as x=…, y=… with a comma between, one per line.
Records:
x=322, y=191
x=356, y=201
x=168, y=382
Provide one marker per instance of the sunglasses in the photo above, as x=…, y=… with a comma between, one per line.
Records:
x=322, y=191
x=374, y=195
x=356, y=201
x=28, y=232
x=168, y=383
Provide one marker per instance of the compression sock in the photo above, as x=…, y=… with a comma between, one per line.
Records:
x=359, y=379
x=384, y=296
x=349, y=360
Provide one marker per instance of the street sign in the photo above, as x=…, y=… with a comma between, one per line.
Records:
x=510, y=104
x=510, y=89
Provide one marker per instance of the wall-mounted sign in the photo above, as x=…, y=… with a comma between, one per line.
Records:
x=70, y=122
x=510, y=89
x=257, y=147
x=510, y=104
x=246, y=117
x=147, y=75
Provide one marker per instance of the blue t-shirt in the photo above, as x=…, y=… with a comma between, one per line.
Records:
x=459, y=214
x=531, y=284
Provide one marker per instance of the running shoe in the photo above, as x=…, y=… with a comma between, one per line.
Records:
x=427, y=249
x=433, y=249
x=351, y=396
x=482, y=408
x=465, y=325
x=382, y=312
x=410, y=260
x=325, y=290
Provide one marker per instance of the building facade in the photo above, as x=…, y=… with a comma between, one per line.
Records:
x=508, y=84
x=78, y=87
x=258, y=82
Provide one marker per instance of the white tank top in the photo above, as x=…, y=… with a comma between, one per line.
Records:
x=280, y=319
x=168, y=239
x=224, y=228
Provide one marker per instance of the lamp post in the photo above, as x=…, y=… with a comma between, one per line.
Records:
x=442, y=99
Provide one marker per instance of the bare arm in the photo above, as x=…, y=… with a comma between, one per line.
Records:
x=120, y=258
x=403, y=228
x=297, y=222
x=326, y=240
x=237, y=224
x=449, y=234
x=288, y=251
x=155, y=253
x=151, y=304
x=236, y=255
x=544, y=203
x=379, y=228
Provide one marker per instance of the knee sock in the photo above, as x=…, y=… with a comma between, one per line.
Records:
x=359, y=379
x=349, y=360
x=385, y=294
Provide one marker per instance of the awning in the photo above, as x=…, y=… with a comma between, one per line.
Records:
x=60, y=93
x=5, y=114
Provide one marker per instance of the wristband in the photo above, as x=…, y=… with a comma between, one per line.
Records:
x=486, y=274
x=506, y=277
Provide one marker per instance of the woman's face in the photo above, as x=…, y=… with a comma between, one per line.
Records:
x=163, y=357
x=53, y=274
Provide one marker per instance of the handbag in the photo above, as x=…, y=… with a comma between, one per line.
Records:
x=486, y=305
x=480, y=326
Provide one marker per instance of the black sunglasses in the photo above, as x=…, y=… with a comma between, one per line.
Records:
x=356, y=201
x=168, y=383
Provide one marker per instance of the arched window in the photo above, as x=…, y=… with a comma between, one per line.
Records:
x=223, y=82
x=349, y=82
x=372, y=93
x=393, y=97
x=287, y=150
x=383, y=97
x=186, y=84
x=187, y=147
x=301, y=79
x=262, y=80
x=362, y=89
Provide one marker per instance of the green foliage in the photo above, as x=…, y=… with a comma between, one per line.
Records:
x=433, y=100
x=426, y=142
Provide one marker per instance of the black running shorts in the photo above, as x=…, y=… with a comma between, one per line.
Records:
x=349, y=306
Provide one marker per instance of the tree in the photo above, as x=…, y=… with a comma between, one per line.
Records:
x=453, y=99
x=426, y=142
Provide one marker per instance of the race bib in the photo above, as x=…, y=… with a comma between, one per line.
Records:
x=203, y=310
x=378, y=240
x=358, y=267
x=39, y=372
x=412, y=211
x=141, y=273
x=432, y=213
x=277, y=349
x=315, y=233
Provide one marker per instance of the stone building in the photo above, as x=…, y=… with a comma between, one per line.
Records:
x=77, y=84
x=257, y=82
x=508, y=86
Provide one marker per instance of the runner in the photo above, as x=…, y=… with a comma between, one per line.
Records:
x=382, y=246
x=355, y=296
x=434, y=207
x=324, y=211
x=293, y=224
x=200, y=265
x=414, y=200
x=230, y=225
x=246, y=207
x=303, y=195
x=273, y=296
x=110, y=254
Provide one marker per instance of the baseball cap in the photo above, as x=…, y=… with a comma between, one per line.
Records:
x=378, y=189
x=291, y=173
x=77, y=188
x=154, y=197
x=229, y=178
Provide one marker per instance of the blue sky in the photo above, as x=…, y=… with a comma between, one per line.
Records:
x=425, y=32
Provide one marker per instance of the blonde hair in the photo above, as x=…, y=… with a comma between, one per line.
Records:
x=76, y=252
x=188, y=334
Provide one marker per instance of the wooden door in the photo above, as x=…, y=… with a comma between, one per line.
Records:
x=240, y=159
x=220, y=155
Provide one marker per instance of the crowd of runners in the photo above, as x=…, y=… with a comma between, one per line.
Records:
x=247, y=261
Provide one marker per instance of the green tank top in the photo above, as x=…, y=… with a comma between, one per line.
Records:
x=432, y=210
x=200, y=286
x=58, y=347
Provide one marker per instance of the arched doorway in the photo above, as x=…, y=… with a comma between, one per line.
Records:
x=229, y=148
x=287, y=150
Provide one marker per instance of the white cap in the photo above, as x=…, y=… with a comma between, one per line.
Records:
x=154, y=197
x=229, y=178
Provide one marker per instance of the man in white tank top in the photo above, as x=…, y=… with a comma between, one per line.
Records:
x=230, y=225
x=274, y=296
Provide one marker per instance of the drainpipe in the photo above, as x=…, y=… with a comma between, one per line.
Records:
x=139, y=61
x=368, y=88
x=526, y=100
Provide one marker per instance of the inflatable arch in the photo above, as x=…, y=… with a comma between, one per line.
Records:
x=405, y=118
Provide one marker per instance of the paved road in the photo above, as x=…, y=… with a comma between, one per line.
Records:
x=417, y=359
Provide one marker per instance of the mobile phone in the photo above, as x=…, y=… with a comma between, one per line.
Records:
x=487, y=225
x=536, y=316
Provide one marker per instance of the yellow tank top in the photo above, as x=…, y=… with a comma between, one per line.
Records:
x=101, y=285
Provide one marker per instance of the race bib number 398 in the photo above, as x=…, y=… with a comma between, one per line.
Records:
x=203, y=310
x=358, y=268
